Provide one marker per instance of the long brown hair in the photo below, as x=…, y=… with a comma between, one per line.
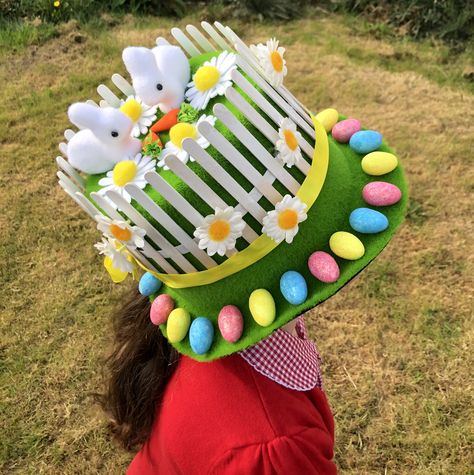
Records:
x=137, y=371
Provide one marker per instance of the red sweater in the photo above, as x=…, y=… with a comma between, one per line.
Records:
x=224, y=418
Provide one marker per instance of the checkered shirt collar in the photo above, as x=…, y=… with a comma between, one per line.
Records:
x=291, y=361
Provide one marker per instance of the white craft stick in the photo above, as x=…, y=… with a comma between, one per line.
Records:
x=73, y=196
x=209, y=29
x=123, y=85
x=65, y=166
x=63, y=148
x=256, y=119
x=223, y=178
x=170, y=225
x=103, y=103
x=69, y=134
x=185, y=42
x=108, y=95
x=148, y=250
x=206, y=193
x=161, y=41
x=92, y=103
x=224, y=33
x=262, y=183
x=152, y=233
x=174, y=198
x=199, y=38
x=274, y=96
x=256, y=148
x=75, y=193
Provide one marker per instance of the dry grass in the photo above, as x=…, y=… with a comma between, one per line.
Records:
x=397, y=341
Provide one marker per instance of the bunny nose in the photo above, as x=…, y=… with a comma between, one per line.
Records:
x=132, y=109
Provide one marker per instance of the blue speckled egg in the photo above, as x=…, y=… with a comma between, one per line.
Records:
x=365, y=141
x=368, y=221
x=201, y=335
x=148, y=284
x=293, y=287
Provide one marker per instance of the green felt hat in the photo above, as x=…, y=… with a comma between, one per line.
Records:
x=242, y=210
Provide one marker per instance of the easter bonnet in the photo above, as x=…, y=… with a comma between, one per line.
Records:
x=233, y=207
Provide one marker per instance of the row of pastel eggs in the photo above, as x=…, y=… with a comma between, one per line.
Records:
x=365, y=142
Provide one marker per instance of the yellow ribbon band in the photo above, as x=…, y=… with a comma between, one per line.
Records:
x=259, y=248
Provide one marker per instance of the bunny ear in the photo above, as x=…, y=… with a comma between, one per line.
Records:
x=85, y=116
x=139, y=61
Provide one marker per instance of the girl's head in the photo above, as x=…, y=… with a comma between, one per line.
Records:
x=138, y=369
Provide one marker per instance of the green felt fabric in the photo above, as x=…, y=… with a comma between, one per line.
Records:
x=341, y=193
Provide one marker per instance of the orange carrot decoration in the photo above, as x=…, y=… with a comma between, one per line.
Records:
x=166, y=122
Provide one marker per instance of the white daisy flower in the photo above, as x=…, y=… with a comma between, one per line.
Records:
x=220, y=231
x=282, y=223
x=124, y=172
x=131, y=236
x=141, y=115
x=178, y=133
x=270, y=58
x=289, y=151
x=117, y=253
x=211, y=80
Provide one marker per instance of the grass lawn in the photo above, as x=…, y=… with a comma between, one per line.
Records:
x=397, y=342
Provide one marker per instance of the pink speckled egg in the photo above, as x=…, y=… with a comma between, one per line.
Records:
x=323, y=266
x=345, y=129
x=381, y=193
x=161, y=308
x=231, y=323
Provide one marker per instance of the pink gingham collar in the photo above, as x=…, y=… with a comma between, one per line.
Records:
x=292, y=361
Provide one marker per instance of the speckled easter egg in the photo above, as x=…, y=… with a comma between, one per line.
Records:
x=201, y=335
x=148, y=284
x=293, y=287
x=365, y=141
x=161, y=308
x=368, y=221
x=344, y=130
x=323, y=266
x=231, y=323
x=328, y=118
x=381, y=193
x=178, y=324
x=346, y=245
x=379, y=163
x=262, y=307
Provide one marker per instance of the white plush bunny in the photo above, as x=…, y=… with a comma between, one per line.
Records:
x=159, y=75
x=104, y=140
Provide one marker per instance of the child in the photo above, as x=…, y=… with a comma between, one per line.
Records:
x=258, y=211
x=259, y=412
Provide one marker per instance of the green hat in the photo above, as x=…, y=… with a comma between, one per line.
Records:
x=242, y=209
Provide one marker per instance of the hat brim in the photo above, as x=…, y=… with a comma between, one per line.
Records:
x=341, y=194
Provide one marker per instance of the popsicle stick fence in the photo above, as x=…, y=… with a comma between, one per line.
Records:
x=159, y=253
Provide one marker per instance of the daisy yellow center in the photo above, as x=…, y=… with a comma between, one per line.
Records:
x=288, y=219
x=277, y=61
x=219, y=230
x=290, y=139
x=182, y=131
x=132, y=109
x=122, y=234
x=206, y=77
x=124, y=172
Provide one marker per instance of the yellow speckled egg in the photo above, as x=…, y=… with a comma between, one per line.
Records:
x=346, y=245
x=329, y=118
x=262, y=307
x=379, y=163
x=178, y=324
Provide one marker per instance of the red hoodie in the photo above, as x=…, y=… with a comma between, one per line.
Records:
x=225, y=418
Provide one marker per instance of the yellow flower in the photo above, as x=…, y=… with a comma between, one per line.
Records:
x=56, y=4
